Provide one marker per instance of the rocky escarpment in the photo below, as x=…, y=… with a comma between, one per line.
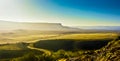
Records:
x=110, y=52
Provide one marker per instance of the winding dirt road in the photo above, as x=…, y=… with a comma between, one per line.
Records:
x=40, y=49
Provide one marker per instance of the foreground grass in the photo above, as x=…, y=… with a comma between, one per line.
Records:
x=10, y=51
x=111, y=52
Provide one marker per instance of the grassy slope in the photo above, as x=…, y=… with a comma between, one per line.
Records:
x=9, y=51
x=89, y=36
x=16, y=49
x=76, y=41
x=31, y=36
x=110, y=52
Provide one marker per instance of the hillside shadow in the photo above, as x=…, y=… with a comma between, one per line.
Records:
x=8, y=54
x=71, y=44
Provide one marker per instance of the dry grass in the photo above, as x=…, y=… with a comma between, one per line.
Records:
x=32, y=36
x=16, y=37
x=90, y=36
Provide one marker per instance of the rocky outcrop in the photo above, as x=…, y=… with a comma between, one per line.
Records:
x=110, y=52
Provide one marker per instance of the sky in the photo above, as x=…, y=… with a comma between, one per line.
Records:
x=67, y=12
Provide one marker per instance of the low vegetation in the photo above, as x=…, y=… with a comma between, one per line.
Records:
x=61, y=47
x=88, y=36
x=108, y=53
x=70, y=44
x=25, y=36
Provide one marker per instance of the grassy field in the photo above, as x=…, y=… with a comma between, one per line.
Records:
x=89, y=36
x=33, y=36
x=15, y=44
x=25, y=36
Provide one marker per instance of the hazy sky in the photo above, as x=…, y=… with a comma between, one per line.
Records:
x=67, y=12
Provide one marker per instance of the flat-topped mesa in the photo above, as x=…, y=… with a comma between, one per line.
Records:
x=6, y=25
x=43, y=24
x=3, y=23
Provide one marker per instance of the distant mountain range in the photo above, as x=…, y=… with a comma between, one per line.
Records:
x=7, y=25
x=112, y=28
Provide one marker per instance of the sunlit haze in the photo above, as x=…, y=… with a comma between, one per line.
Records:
x=67, y=12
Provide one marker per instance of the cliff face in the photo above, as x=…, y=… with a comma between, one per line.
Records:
x=4, y=25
